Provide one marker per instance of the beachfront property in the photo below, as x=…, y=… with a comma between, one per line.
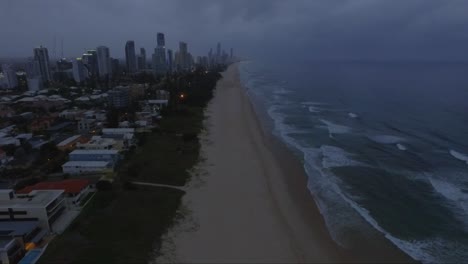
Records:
x=74, y=189
x=91, y=161
x=10, y=251
x=45, y=206
x=124, y=136
x=16, y=237
x=118, y=131
x=81, y=167
x=98, y=142
x=107, y=155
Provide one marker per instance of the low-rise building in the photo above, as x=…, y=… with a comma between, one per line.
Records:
x=98, y=142
x=117, y=131
x=82, y=167
x=86, y=125
x=74, y=189
x=16, y=237
x=70, y=143
x=45, y=206
x=10, y=250
x=108, y=155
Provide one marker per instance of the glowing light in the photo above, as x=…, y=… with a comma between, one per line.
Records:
x=182, y=96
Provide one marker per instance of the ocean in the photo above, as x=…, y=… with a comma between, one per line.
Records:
x=384, y=144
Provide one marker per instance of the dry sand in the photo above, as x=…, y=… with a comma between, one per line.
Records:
x=251, y=203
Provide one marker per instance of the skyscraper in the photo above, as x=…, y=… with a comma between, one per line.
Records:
x=130, y=57
x=33, y=75
x=161, y=40
x=41, y=55
x=159, y=56
x=11, y=80
x=142, y=59
x=183, y=57
x=79, y=70
x=90, y=61
x=103, y=60
x=170, y=59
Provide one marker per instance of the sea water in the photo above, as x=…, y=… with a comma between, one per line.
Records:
x=383, y=142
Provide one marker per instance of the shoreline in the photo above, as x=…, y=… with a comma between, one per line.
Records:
x=278, y=196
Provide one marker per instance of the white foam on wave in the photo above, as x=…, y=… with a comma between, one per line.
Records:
x=281, y=91
x=335, y=128
x=314, y=103
x=451, y=192
x=314, y=109
x=427, y=251
x=459, y=156
x=387, y=139
x=281, y=129
x=401, y=147
x=336, y=157
x=353, y=115
x=328, y=197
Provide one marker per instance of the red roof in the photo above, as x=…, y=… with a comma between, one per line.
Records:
x=69, y=186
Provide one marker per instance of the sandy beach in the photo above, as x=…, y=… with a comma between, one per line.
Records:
x=250, y=202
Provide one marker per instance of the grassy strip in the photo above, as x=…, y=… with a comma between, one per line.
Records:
x=116, y=227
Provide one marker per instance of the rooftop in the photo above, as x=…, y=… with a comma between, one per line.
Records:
x=94, y=151
x=17, y=228
x=68, y=140
x=93, y=164
x=69, y=186
x=36, y=199
x=117, y=130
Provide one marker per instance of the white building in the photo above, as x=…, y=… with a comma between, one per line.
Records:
x=117, y=131
x=104, y=65
x=79, y=167
x=98, y=142
x=46, y=206
x=11, y=80
x=79, y=71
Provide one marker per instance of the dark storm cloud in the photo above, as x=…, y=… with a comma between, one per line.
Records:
x=311, y=28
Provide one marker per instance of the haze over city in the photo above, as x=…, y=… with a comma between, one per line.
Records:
x=327, y=29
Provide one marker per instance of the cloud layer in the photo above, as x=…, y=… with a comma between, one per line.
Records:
x=433, y=29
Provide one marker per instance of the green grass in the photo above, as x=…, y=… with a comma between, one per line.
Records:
x=166, y=156
x=116, y=227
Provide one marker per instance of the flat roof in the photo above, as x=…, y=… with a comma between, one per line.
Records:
x=68, y=140
x=17, y=228
x=69, y=186
x=38, y=199
x=94, y=151
x=86, y=164
x=118, y=130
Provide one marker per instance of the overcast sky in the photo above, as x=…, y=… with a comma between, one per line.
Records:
x=436, y=29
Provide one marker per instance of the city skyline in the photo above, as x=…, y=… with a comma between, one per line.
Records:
x=413, y=28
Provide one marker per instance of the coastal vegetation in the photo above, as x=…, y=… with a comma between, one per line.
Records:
x=125, y=224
